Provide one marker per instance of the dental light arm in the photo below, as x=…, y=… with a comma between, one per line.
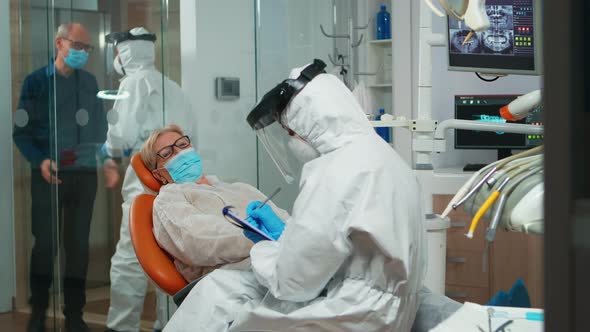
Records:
x=473, y=12
x=476, y=17
x=438, y=142
x=486, y=126
x=521, y=106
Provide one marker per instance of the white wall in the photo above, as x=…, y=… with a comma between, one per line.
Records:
x=217, y=39
x=6, y=196
x=288, y=36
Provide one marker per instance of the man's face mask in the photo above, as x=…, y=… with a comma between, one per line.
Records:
x=76, y=59
x=301, y=149
x=185, y=167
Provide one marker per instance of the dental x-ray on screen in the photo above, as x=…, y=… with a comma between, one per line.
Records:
x=509, y=46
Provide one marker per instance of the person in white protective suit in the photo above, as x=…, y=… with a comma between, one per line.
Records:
x=351, y=257
x=146, y=100
x=188, y=219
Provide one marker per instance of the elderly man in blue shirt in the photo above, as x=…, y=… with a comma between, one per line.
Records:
x=66, y=127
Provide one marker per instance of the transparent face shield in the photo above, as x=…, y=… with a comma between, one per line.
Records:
x=110, y=54
x=275, y=140
x=112, y=40
x=115, y=38
x=267, y=119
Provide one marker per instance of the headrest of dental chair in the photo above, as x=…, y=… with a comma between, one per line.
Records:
x=144, y=174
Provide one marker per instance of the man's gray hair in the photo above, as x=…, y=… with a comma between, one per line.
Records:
x=63, y=31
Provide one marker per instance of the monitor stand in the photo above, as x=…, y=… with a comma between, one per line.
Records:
x=504, y=153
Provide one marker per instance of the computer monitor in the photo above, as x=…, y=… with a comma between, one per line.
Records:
x=486, y=108
x=511, y=45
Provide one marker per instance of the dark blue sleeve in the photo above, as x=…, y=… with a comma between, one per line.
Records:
x=102, y=125
x=24, y=136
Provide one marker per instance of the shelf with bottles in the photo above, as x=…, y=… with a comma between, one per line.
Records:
x=379, y=55
x=375, y=57
x=386, y=85
x=381, y=42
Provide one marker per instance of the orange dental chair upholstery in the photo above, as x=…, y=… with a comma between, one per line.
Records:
x=156, y=262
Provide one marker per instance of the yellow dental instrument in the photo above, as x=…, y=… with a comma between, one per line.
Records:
x=485, y=207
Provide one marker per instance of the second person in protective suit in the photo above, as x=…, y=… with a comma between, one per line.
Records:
x=146, y=100
x=351, y=257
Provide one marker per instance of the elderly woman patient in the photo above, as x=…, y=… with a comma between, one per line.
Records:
x=188, y=222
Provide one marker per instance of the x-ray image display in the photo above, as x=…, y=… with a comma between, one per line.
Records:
x=509, y=45
x=471, y=46
x=498, y=39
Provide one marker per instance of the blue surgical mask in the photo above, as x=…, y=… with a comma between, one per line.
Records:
x=186, y=166
x=76, y=59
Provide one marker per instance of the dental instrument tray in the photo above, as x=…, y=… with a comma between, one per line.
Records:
x=241, y=223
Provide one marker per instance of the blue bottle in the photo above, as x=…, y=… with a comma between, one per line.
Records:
x=383, y=24
x=382, y=131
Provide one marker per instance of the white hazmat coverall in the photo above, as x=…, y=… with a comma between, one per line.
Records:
x=153, y=101
x=352, y=256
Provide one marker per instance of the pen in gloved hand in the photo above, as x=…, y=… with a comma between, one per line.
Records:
x=269, y=198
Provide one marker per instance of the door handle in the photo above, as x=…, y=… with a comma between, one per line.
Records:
x=456, y=295
x=456, y=259
x=458, y=224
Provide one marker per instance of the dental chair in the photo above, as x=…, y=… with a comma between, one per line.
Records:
x=159, y=265
x=155, y=261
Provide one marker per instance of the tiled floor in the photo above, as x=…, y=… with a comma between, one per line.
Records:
x=100, y=305
x=94, y=314
x=17, y=322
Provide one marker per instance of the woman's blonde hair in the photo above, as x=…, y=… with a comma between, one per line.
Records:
x=147, y=153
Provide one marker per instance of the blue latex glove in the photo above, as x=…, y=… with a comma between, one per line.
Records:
x=254, y=237
x=266, y=217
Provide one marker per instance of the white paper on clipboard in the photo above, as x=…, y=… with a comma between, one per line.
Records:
x=227, y=212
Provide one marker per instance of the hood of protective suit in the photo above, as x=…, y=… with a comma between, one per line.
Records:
x=325, y=113
x=137, y=55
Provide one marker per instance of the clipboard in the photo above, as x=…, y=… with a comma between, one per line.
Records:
x=244, y=224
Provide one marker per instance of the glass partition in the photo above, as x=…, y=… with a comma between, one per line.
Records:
x=288, y=36
x=74, y=136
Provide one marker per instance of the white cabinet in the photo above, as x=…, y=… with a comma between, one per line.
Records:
x=375, y=58
x=379, y=58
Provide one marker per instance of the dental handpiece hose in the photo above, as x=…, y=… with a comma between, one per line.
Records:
x=484, y=208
